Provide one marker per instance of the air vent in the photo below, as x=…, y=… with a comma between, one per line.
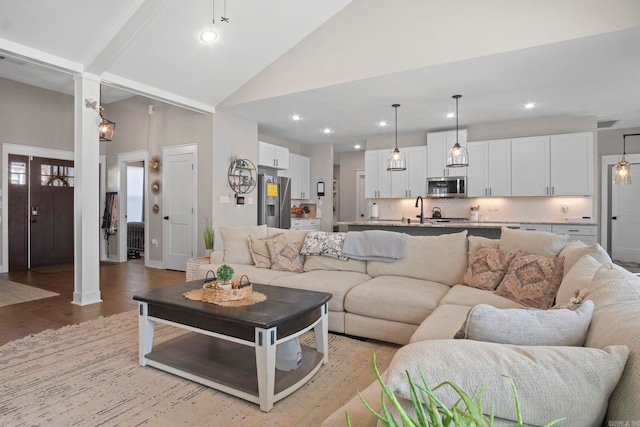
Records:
x=606, y=123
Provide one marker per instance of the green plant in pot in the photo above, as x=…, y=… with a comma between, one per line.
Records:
x=225, y=274
x=209, y=237
x=429, y=411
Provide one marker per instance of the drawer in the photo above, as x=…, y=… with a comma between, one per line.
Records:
x=535, y=227
x=575, y=230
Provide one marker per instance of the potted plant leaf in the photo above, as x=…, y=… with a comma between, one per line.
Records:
x=225, y=274
x=209, y=237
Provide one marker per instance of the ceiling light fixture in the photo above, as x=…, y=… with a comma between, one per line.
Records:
x=397, y=161
x=529, y=105
x=382, y=123
x=328, y=130
x=296, y=117
x=623, y=167
x=357, y=146
x=450, y=115
x=210, y=35
x=457, y=156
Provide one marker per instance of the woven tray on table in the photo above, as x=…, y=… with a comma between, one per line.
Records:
x=212, y=292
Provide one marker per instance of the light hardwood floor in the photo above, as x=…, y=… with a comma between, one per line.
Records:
x=118, y=284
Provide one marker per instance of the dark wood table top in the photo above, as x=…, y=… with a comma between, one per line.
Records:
x=282, y=304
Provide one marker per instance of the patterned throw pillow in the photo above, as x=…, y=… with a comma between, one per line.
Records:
x=323, y=243
x=285, y=256
x=260, y=252
x=487, y=268
x=532, y=280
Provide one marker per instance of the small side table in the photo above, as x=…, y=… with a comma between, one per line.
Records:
x=193, y=264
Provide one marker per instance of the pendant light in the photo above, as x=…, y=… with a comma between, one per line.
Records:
x=397, y=161
x=106, y=127
x=623, y=167
x=457, y=156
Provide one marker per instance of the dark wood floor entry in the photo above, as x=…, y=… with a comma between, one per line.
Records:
x=118, y=284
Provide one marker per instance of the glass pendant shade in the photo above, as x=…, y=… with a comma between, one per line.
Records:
x=105, y=129
x=397, y=161
x=457, y=157
x=623, y=172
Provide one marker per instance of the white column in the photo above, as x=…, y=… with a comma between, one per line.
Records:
x=87, y=198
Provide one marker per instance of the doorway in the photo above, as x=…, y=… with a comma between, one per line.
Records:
x=41, y=213
x=361, y=202
x=133, y=216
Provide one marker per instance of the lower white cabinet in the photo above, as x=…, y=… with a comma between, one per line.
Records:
x=584, y=233
x=536, y=227
x=311, y=224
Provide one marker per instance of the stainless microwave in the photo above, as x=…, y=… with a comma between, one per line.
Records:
x=447, y=187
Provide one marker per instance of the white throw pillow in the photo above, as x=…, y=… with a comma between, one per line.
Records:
x=521, y=326
x=534, y=242
x=552, y=382
x=579, y=277
x=573, y=251
x=236, y=242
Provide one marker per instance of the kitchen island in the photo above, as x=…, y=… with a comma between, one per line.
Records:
x=431, y=227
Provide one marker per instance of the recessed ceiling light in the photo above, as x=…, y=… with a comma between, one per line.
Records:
x=328, y=130
x=529, y=105
x=450, y=115
x=357, y=146
x=382, y=123
x=208, y=36
x=296, y=117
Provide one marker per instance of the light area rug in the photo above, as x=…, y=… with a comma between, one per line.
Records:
x=15, y=293
x=88, y=375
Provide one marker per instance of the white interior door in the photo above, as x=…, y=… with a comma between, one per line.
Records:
x=179, y=207
x=361, y=201
x=625, y=221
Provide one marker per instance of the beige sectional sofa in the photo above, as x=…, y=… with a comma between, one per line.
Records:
x=418, y=301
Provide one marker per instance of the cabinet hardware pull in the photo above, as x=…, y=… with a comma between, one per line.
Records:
x=573, y=231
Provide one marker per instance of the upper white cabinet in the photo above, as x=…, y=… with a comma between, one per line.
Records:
x=299, y=172
x=555, y=165
x=413, y=181
x=438, y=146
x=377, y=179
x=489, y=171
x=273, y=156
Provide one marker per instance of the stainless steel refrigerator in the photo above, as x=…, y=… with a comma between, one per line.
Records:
x=274, y=201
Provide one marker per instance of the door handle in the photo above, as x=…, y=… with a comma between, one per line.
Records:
x=614, y=218
x=166, y=217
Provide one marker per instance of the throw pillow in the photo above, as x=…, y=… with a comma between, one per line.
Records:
x=573, y=251
x=577, y=278
x=285, y=256
x=535, y=242
x=323, y=243
x=487, y=268
x=528, y=326
x=475, y=241
x=236, y=242
x=532, y=280
x=552, y=382
x=260, y=251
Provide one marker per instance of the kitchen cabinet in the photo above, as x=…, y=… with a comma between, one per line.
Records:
x=311, y=224
x=584, y=233
x=489, y=171
x=438, y=146
x=413, y=181
x=273, y=156
x=377, y=179
x=554, y=165
x=299, y=172
x=536, y=227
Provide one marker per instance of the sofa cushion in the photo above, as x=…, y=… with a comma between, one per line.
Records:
x=338, y=283
x=475, y=241
x=552, y=382
x=535, y=242
x=579, y=277
x=532, y=280
x=314, y=262
x=285, y=256
x=441, y=259
x=616, y=320
x=255, y=274
x=573, y=251
x=401, y=299
x=236, y=242
x=260, y=252
x=289, y=235
x=442, y=323
x=323, y=243
x=527, y=326
x=487, y=268
x=465, y=295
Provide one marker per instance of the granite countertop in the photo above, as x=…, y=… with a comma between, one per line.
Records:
x=455, y=223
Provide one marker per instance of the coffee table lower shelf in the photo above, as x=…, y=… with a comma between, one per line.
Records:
x=227, y=366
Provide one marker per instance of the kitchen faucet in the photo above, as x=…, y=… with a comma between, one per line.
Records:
x=421, y=216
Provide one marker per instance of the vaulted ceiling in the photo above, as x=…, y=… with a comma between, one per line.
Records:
x=339, y=63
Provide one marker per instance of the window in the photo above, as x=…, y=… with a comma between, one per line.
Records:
x=135, y=193
x=18, y=173
x=56, y=176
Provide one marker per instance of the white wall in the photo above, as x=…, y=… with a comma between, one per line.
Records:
x=321, y=170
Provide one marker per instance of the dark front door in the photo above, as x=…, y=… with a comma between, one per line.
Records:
x=51, y=211
x=18, y=213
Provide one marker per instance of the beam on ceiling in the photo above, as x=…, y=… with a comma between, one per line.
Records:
x=35, y=56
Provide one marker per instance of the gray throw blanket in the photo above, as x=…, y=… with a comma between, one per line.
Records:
x=374, y=245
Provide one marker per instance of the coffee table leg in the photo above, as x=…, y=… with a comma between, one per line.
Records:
x=266, y=366
x=321, y=331
x=145, y=332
